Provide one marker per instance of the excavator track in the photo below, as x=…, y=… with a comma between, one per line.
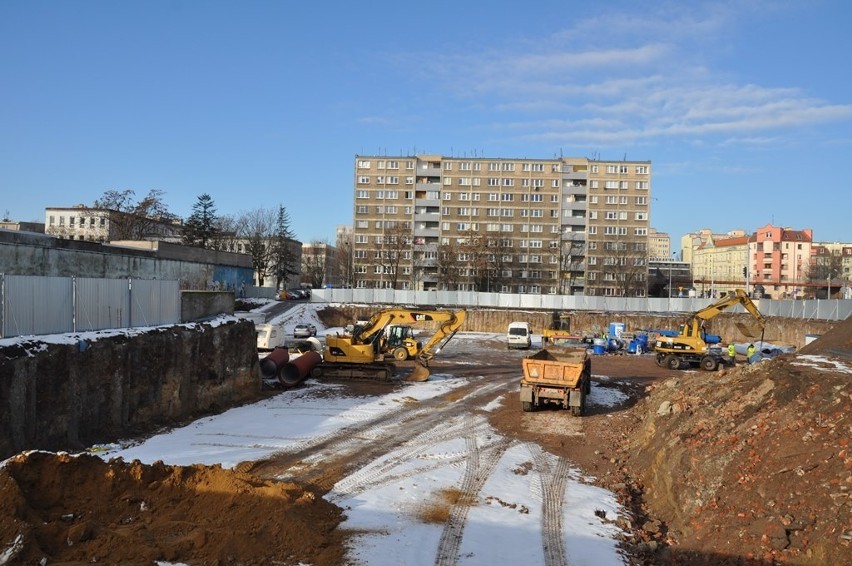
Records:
x=370, y=372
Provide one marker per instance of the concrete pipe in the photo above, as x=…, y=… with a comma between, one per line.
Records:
x=271, y=364
x=297, y=369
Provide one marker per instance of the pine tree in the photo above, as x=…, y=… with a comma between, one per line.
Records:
x=285, y=259
x=200, y=227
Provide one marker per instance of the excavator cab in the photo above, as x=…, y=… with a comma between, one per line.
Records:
x=400, y=342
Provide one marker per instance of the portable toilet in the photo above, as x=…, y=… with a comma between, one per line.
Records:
x=615, y=329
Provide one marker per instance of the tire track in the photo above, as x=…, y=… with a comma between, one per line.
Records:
x=553, y=479
x=481, y=461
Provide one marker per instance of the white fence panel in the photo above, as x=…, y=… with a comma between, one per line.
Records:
x=37, y=305
x=101, y=304
x=822, y=309
x=154, y=302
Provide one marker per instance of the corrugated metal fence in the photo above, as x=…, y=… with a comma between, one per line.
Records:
x=832, y=309
x=56, y=305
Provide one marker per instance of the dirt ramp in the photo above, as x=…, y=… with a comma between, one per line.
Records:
x=81, y=509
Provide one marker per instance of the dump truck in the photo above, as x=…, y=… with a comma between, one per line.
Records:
x=559, y=376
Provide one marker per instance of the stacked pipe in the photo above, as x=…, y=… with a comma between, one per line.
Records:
x=272, y=364
x=297, y=369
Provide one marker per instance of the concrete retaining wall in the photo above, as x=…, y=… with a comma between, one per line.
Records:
x=69, y=396
x=198, y=305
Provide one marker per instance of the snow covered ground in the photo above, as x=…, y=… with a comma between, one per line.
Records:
x=528, y=506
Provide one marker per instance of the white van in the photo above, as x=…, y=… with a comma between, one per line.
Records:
x=519, y=335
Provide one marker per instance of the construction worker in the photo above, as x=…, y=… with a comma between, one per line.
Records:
x=750, y=352
x=732, y=354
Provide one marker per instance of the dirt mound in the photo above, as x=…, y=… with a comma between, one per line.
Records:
x=752, y=465
x=836, y=342
x=81, y=509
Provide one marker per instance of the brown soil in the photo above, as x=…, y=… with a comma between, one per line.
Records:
x=746, y=466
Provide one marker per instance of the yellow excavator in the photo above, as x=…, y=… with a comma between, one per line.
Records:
x=690, y=344
x=388, y=333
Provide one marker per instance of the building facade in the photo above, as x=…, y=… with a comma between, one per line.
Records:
x=718, y=265
x=780, y=260
x=564, y=225
x=103, y=225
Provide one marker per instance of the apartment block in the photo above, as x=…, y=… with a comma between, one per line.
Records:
x=563, y=225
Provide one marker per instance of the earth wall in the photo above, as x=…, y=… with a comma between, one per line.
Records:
x=72, y=395
x=779, y=331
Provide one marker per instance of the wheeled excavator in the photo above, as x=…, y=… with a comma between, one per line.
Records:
x=362, y=354
x=691, y=346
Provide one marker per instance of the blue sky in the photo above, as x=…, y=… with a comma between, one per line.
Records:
x=744, y=108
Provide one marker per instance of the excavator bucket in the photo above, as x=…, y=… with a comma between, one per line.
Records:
x=750, y=331
x=420, y=373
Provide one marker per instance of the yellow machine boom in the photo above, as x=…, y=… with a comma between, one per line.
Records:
x=362, y=354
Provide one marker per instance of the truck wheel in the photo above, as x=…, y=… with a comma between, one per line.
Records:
x=661, y=360
x=400, y=354
x=578, y=411
x=672, y=361
x=709, y=363
x=526, y=406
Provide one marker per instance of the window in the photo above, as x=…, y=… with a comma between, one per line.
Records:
x=508, y=167
x=505, y=212
x=363, y=164
x=364, y=179
x=51, y=221
x=611, y=185
x=380, y=164
x=508, y=182
x=493, y=182
x=593, y=169
x=393, y=164
x=622, y=169
x=506, y=228
x=641, y=216
x=611, y=169
x=448, y=181
x=641, y=200
x=507, y=197
x=593, y=185
x=393, y=180
x=532, y=198
x=409, y=181
x=464, y=166
x=409, y=165
x=448, y=166
x=642, y=185
x=360, y=239
x=641, y=170
x=362, y=224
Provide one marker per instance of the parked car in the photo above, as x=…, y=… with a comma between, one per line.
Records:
x=303, y=330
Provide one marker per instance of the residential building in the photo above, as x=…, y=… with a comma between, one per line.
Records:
x=659, y=245
x=718, y=264
x=779, y=261
x=692, y=241
x=562, y=225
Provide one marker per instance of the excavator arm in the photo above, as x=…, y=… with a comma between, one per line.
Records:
x=371, y=336
x=450, y=324
x=736, y=297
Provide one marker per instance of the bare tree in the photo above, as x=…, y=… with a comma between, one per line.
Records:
x=224, y=237
x=257, y=230
x=625, y=268
x=449, y=265
x=345, y=259
x=314, y=263
x=826, y=267
x=135, y=219
x=395, y=246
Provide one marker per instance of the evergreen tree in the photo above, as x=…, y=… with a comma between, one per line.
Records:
x=200, y=228
x=286, y=252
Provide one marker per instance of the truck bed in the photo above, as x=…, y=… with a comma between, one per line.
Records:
x=560, y=367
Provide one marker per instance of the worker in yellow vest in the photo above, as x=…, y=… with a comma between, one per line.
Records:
x=732, y=354
x=750, y=352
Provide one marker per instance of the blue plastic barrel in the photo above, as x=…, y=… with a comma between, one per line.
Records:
x=631, y=347
x=599, y=349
